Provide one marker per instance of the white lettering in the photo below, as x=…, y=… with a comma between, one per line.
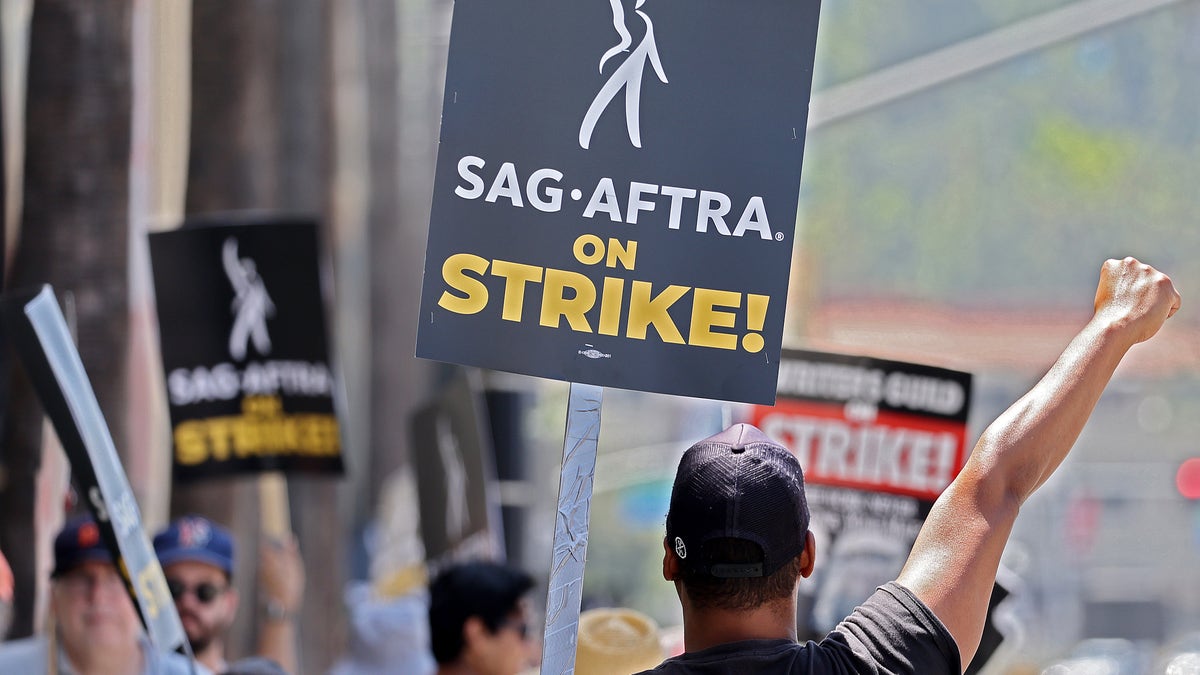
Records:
x=604, y=198
x=870, y=456
x=544, y=191
x=636, y=203
x=464, y=170
x=677, y=195
x=713, y=207
x=918, y=392
x=835, y=381
x=754, y=217
x=223, y=382
x=533, y=190
x=506, y=185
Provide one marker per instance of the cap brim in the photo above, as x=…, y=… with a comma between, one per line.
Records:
x=90, y=555
x=199, y=556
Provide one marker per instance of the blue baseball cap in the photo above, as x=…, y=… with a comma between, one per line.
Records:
x=195, y=539
x=78, y=542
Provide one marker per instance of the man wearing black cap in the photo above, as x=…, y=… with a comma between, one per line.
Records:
x=97, y=631
x=737, y=540
x=197, y=559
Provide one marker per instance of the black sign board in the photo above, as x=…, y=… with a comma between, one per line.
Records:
x=456, y=474
x=616, y=191
x=243, y=335
x=35, y=324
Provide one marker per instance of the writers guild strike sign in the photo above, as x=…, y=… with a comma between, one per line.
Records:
x=242, y=330
x=878, y=441
x=616, y=191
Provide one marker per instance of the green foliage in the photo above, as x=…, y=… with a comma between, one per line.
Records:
x=1011, y=184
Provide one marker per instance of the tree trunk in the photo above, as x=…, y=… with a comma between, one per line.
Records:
x=73, y=235
x=258, y=141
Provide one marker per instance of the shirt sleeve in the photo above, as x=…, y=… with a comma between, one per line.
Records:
x=893, y=632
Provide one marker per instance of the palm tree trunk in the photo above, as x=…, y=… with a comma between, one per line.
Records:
x=73, y=235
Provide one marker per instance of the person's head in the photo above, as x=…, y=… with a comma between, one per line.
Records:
x=477, y=618
x=87, y=595
x=737, y=528
x=197, y=559
x=616, y=641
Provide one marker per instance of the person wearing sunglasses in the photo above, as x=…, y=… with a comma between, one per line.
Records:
x=197, y=558
x=478, y=620
x=96, y=628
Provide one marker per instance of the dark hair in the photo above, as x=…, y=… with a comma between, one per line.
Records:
x=709, y=592
x=487, y=590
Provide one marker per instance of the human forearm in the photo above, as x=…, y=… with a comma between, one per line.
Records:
x=954, y=560
x=282, y=581
x=277, y=640
x=1025, y=444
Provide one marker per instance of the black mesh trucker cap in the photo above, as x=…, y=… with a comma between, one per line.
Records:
x=737, y=484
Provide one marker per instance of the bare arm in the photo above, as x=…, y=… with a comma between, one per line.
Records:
x=953, y=563
x=281, y=577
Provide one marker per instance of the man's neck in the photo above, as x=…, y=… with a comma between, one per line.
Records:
x=711, y=627
x=455, y=668
x=213, y=657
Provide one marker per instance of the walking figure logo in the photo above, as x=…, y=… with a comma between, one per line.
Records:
x=627, y=76
x=251, y=304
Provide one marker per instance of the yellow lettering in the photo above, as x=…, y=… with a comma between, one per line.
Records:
x=475, y=295
x=565, y=295
x=645, y=311
x=262, y=405
x=705, y=315
x=610, y=306
x=585, y=243
x=146, y=592
x=556, y=304
x=263, y=430
x=191, y=443
x=515, y=277
x=619, y=254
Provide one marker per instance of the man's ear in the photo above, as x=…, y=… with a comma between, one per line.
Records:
x=808, y=557
x=670, y=562
x=234, y=600
x=474, y=630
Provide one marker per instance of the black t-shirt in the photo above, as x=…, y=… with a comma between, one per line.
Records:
x=891, y=633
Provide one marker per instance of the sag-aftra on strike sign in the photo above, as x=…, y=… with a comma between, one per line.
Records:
x=616, y=191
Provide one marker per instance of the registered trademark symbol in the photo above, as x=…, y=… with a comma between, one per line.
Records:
x=778, y=236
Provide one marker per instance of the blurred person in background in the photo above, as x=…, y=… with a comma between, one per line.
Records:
x=96, y=628
x=738, y=543
x=479, y=620
x=616, y=641
x=197, y=557
x=6, y=595
x=255, y=665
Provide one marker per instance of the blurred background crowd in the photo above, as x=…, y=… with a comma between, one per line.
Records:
x=968, y=165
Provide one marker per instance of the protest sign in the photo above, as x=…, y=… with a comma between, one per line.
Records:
x=35, y=324
x=456, y=474
x=878, y=441
x=243, y=335
x=616, y=191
